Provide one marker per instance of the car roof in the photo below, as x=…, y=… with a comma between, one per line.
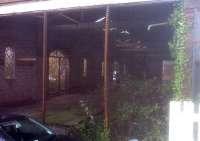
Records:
x=10, y=117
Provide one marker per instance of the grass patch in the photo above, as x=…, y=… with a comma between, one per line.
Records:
x=64, y=117
x=61, y=117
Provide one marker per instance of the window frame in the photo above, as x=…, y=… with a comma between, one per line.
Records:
x=9, y=63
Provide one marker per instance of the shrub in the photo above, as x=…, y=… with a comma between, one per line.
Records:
x=92, y=128
x=140, y=110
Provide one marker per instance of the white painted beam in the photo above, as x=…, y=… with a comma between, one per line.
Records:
x=50, y=5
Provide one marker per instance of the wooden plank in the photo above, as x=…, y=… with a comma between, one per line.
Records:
x=27, y=59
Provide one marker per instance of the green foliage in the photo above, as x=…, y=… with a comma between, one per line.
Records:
x=141, y=111
x=178, y=51
x=88, y=130
x=102, y=134
x=92, y=128
x=93, y=131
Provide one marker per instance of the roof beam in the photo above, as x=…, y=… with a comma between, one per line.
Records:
x=69, y=18
x=94, y=25
x=51, y=5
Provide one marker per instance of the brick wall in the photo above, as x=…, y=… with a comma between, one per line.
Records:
x=24, y=86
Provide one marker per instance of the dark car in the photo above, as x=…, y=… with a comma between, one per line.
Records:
x=4, y=136
x=22, y=128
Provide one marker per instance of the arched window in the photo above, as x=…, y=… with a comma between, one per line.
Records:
x=56, y=53
x=9, y=63
x=58, y=71
x=84, y=73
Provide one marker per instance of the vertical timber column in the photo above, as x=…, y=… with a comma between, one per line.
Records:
x=106, y=68
x=44, y=67
x=59, y=75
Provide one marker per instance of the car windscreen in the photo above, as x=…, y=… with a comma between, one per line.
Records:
x=28, y=129
x=4, y=136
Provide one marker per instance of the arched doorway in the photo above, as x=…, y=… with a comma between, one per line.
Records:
x=58, y=72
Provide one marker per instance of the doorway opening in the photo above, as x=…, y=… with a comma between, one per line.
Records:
x=58, y=72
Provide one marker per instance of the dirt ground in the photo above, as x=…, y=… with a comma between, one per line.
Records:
x=61, y=110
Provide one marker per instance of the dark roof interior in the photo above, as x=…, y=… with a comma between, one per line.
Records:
x=73, y=23
x=139, y=15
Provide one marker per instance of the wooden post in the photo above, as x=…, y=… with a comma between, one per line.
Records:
x=106, y=67
x=44, y=68
x=59, y=75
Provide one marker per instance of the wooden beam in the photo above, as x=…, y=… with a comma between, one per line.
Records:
x=78, y=26
x=69, y=18
x=93, y=25
x=106, y=68
x=61, y=5
x=44, y=68
x=27, y=59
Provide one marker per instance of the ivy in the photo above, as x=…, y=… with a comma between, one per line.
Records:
x=178, y=50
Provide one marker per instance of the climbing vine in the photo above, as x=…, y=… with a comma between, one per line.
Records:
x=178, y=50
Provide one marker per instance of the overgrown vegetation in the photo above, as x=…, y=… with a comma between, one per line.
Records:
x=139, y=110
x=92, y=128
x=178, y=51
